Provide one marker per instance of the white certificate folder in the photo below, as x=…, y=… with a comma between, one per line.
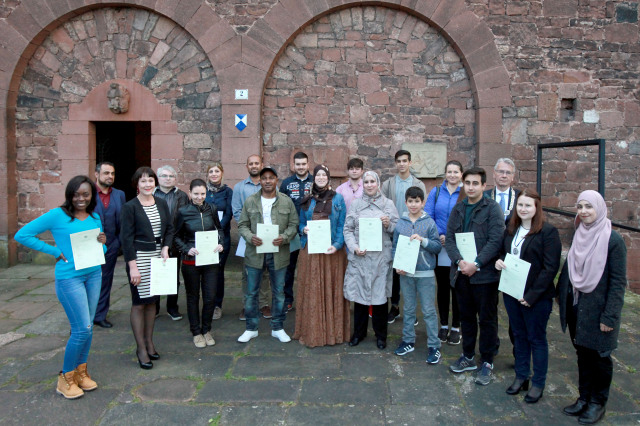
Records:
x=87, y=250
x=164, y=276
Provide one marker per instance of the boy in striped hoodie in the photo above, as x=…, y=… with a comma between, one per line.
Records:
x=417, y=225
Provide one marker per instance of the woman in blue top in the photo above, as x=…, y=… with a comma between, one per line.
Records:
x=440, y=202
x=322, y=315
x=77, y=290
x=220, y=195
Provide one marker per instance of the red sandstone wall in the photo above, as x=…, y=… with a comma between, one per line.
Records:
x=585, y=51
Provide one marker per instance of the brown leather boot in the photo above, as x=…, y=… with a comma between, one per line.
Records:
x=83, y=379
x=67, y=386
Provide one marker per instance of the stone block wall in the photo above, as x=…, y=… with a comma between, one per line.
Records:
x=338, y=79
x=103, y=45
x=362, y=82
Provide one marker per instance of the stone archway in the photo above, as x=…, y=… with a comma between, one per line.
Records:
x=469, y=35
x=63, y=88
x=366, y=81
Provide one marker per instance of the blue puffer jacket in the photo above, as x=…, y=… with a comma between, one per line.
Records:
x=441, y=210
x=337, y=217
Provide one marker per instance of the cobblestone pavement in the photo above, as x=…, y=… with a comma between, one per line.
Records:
x=265, y=381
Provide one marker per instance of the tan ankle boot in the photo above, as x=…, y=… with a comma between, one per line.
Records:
x=83, y=379
x=67, y=386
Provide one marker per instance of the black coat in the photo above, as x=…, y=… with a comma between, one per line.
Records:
x=487, y=225
x=191, y=219
x=491, y=194
x=602, y=305
x=542, y=251
x=136, y=232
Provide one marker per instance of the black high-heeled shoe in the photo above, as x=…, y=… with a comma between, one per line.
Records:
x=517, y=386
x=154, y=357
x=145, y=365
x=533, y=395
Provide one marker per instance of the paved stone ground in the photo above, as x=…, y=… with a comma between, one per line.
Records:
x=267, y=382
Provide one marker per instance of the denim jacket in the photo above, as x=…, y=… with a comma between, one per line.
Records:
x=430, y=245
x=337, y=217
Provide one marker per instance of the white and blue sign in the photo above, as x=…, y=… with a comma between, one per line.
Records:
x=241, y=121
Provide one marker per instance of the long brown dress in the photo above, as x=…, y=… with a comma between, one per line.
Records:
x=322, y=312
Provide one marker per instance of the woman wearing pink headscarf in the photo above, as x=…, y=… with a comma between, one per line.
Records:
x=591, y=294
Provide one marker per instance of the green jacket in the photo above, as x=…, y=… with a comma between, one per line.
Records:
x=283, y=214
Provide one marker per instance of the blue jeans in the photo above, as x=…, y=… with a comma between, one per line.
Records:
x=529, y=327
x=254, y=278
x=424, y=288
x=79, y=298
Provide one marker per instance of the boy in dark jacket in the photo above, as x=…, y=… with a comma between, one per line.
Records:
x=417, y=225
x=476, y=281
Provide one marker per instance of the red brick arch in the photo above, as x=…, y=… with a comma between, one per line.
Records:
x=470, y=36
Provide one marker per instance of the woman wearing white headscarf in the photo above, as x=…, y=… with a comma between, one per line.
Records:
x=591, y=294
x=368, y=277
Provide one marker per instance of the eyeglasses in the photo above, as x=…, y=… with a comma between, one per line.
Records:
x=167, y=176
x=504, y=172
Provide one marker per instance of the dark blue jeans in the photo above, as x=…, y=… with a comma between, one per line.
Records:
x=529, y=326
x=223, y=262
x=254, y=278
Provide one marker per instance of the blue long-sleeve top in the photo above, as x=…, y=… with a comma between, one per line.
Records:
x=440, y=210
x=61, y=226
x=337, y=218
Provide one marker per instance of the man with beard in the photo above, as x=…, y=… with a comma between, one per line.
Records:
x=108, y=205
x=242, y=191
x=268, y=206
x=296, y=187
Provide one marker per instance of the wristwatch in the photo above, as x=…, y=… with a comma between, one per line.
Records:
x=477, y=265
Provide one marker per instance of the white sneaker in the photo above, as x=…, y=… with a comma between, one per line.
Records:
x=199, y=341
x=281, y=335
x=247, y=335
x=208, y=338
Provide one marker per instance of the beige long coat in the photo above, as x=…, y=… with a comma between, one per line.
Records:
x=368, y=278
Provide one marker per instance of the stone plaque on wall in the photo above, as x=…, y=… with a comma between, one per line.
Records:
x=428, y=158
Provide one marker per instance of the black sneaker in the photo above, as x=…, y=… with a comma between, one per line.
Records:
x=442, y=334
x=175, y=315
x=463, y=364
x=394, y=313
x=404, y=348
x=485, y=374
x=454, y=337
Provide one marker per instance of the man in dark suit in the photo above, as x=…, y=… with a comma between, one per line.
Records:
x=503, y=174
x=108, y=205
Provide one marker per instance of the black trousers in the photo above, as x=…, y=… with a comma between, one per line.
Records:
x=289, y=277
x=197, y=279
x=361, y=320
x=446, y=294
x=478, y=309
x=395, y=289
x=223, y=262
x=595, y=369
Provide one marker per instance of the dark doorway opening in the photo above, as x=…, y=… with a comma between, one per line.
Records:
x=126, y=144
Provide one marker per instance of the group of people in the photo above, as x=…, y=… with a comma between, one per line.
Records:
x=162, y=221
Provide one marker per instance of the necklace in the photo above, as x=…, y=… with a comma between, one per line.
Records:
x=515, y=247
